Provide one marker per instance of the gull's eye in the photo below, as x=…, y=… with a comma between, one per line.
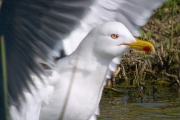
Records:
x=114, y=36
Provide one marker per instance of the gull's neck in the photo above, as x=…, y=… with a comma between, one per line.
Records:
x=89, y=56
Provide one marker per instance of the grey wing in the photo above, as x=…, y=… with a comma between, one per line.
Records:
x=31, y=29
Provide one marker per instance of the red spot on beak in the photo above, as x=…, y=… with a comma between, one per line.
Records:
x=147, y=48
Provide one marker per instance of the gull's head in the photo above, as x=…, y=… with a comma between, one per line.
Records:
x=113, y=39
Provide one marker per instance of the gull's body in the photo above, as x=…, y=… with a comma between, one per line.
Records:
x=85, y=92
x=88, y=77
x=77, y=81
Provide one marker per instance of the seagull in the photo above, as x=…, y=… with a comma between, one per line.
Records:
x=34, y=31
x=90, y=61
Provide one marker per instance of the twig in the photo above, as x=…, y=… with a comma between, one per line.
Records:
x=172, y=25
x=172, y=76
x=142, y=68
x=150, y=72
x=161, y=61
x=123, y=72
x=70, y=86
x=113, y=89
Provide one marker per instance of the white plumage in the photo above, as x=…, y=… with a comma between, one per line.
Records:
x=82, y=73
x=32, y=31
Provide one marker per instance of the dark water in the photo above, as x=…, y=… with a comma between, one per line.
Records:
x=161, y=103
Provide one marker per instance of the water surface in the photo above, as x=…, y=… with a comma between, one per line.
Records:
x=140, y=104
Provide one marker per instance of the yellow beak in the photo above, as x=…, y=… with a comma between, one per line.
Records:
x=141, y=45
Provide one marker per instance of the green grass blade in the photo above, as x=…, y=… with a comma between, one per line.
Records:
x=4, y=74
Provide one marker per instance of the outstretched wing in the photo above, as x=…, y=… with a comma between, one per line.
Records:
x=31, y=29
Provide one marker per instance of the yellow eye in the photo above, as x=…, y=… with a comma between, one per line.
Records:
x=114, y=36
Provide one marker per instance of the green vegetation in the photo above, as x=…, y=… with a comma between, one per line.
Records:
x=159, y=68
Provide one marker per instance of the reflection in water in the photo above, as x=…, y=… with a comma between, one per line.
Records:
x=133, y=104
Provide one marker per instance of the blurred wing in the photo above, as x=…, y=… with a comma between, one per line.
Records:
x=132, y=13
x=31, y=29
